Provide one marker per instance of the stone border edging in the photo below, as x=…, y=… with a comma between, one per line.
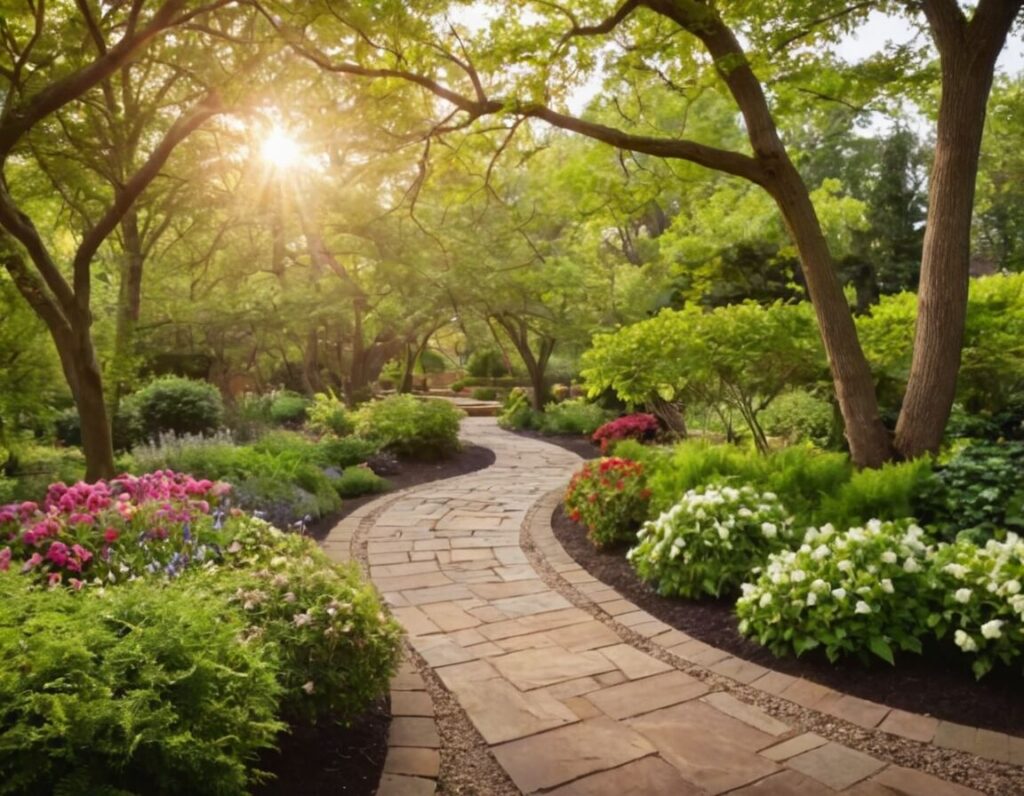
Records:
x=861, y=713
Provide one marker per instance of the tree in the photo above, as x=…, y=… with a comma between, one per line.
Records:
x=39, y=86
x=476, y=84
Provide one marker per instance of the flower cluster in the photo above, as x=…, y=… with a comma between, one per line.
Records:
x=977, y=592
x=610, y=498
x=848, y=592
x=639, y=426
x=111, y=530
x=710, y=540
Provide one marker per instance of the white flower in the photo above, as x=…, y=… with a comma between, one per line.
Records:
x=845, y=566
x=748, y=589
x=965, y=642
x=766, y=599
x=862, y=608
x=962, y=595
x=309, y=687
x=819, y=585
x=820, y=552
x=812, y=598
x=992, y=629
x=887, y=586
x=911, y=565
x=769, y=530
x=1012, y=586
x=797, y=576
x=839, y=594
x=299, y=620
x=956, y=570
x=723, y=532
x=889, y=557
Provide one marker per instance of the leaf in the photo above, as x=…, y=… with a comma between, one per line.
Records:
x=881, y=648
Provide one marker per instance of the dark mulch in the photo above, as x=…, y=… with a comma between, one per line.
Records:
x=329, y=758
x=470, y=459
x=938, y=683
x=581, y=446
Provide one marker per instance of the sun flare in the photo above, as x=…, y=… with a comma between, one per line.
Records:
x=280, y=149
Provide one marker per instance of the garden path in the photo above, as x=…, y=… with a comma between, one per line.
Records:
x=590, y=695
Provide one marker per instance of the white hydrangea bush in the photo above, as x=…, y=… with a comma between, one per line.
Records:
x=859, y=591
x=978, y=594
x=710, y=540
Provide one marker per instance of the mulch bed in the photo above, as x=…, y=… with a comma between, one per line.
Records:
x=938, y=683
x=331, y=758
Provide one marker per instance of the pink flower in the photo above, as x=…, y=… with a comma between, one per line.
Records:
x=81, y=519
x=76, y=583
x=5, y=559
x=110, y=535
x=58, y=553
x=54, y=579
x=32, y=563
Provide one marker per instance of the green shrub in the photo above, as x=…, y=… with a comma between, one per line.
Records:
x=885, y=493
x=345, y=452
x=799, y=416
x=288, y=408
x=976, y=592
x=486, y=363
x=710, y=541
x=516, y=413
x=33, y=468
x=328, y=414
x=356, y=481
x=410, y=427
x=853, y=593
x=179, y=406
x=126, y=426
x=577, y=417
x=485, y=394
x=979, y=491
x=609, y=497
x=249, y=417
x=144, y=688
x=458, y=385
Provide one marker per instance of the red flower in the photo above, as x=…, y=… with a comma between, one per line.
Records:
x=110, y=535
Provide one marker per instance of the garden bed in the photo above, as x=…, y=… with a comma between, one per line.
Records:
x=938, y=683
x=412, y=473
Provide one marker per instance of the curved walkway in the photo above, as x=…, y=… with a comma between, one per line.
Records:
x=574, y=701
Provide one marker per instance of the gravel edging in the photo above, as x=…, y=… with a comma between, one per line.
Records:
x=552, y=564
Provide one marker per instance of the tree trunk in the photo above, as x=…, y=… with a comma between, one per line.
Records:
x=669, y=414
x=945, y=262
x=129, y=304
x=870, y=441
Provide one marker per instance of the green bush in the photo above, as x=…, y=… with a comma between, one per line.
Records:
x=799, y=416
x=516, y=413
x=328, y=414
x=886, y=493
x=142, y=689
x=710, y=541
x=577, y=417
x=345, y=452
x=979, y=491
x=609, y=497
x=288, y=408
x=485, y=394
x=486, y=363
x=249, y=417
x=409, y=427
x=179, y=406
x=853, y=593
x=356, y=481
x=33, y=468
x=458, y=385
x=126, y=426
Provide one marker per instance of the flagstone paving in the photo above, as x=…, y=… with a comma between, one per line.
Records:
x=566, y=704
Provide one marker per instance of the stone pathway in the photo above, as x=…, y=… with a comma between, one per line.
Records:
x=565, y=703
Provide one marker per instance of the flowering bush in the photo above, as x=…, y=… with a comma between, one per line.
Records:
x=638, y=426
x=852, y=592
x=609, y=497
x=113, y=531
x=709, y=541
x=976, y=592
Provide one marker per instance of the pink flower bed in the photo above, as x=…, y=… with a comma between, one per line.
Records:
x=640, y=426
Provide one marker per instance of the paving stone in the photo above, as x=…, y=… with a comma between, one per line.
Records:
x=440, y=650
x=748, y=714
x=794, y=746
x=585, y=636
x=774, y=682
x=642, y=696
x=670, y=638
x=533, y=624
x=784, y=783
x=618, y=607
x=805, y=693
x=613, y=677
x=413, y=761
x=565, y=754
x=398, y=570
x=497, y=591
x=516, y=572
x=413, y=731
x=411, y=703
x=531, y=641
x=449, y=616
x=437, y=594
x=415, y=622
x=377, y=559
x=500, y=712
x=644, y=777
x=950, y=735
x=510, y=555
x=992, y=745
x=739, y=670
x=467, y=637
x=471, y=671
x=529, y=604
x=472, y=554
x=709, y=749
x=397, y=785
x=634, y=617
x=698, y=652
x=572, y=688
x=853, y=709
x=634, y=663
x=581, y=707
x=907, y=782
x=910, y=725
x=535, y=668
x=836, y=765
x=408, y=681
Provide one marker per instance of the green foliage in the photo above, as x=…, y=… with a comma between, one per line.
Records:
x=431, y=362
x=859, y=592
x=33, y=468
x=249, y=416
x=458, y=385
x=609, y=497
x=328, y=414
x=517, y=414
x=126, y=427
x=578, y=417
x=800, y=416
x=356, y=481
x=485, y=394
x=486, y=363
x=178, y=406
x=710, y=541
x=886, y=493
x=145, y=688
x=288, y=408
x=410, y=427
x=978, y=492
